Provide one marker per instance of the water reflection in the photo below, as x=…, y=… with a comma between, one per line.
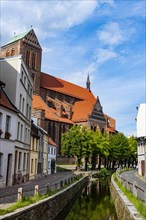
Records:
x=93, y=204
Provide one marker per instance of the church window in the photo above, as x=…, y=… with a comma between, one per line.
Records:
x=7, y=53
x=12, y=52
x=34, y=61
x=27, y=57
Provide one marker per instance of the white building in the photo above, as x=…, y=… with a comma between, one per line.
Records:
x=19, y=90
x=141, y=138
x=8, y=118
x=51, y=156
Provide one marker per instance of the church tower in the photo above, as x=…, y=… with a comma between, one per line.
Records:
x=28, y=45
x=88, y=83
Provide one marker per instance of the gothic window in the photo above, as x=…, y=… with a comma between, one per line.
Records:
x=33, y=60
x=12, y=52
x=27, y=57
x=7, y=53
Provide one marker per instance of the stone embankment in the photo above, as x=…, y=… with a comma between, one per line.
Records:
x=124, y=208
x=50, y=207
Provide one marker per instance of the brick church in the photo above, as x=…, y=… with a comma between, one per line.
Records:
x=57, y=104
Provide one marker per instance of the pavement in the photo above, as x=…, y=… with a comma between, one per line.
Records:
x=8, y=195
x=132, y=176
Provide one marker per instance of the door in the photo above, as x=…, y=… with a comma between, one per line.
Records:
x=9, y=170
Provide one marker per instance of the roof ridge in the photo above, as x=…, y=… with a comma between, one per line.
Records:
x=66, y=81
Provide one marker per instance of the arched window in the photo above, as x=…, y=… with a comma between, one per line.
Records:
x=33, y=60
x=27, y=57
x=12, y=52
x=7, y=53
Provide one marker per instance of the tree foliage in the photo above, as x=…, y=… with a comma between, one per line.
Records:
x=90, y=145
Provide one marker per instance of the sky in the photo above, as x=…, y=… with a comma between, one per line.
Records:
x=102, y=38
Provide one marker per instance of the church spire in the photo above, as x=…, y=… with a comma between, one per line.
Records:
x=88, y=83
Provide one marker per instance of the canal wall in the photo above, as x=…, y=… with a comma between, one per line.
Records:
x=124, y=208
x=49, y=208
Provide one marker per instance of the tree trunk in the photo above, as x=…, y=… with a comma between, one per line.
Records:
x=99, y=165
x=93, y=162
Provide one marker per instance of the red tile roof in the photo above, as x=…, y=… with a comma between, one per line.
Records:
x=4, y=101
x=51, y=142
x=50, y=113
x=81, y=110
x=62, y=86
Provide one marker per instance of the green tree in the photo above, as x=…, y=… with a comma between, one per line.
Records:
x=132, y=156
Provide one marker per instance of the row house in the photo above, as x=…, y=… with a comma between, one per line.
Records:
x=19, y=88
x=141, y=139
x=33, y=171
x=8, y=118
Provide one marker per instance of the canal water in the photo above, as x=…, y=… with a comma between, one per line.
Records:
x=94, y=203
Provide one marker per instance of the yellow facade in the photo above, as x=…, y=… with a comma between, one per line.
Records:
x=33, y=158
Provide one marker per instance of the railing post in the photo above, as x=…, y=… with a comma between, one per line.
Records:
x=48, y=187
x=61, y=183
x=55, y=186
x=20, y=194
x=135, y=188
x=36, y=190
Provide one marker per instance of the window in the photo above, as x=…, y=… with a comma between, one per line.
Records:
x=24, y=80
x=29, y=113
x=23, y=106
x=19, y=161
x=1, y=160
x=52, y=150
x=20, y=100
x=24, y=161
x=21, y=133
x=26, y=135
x=48, y=150
x=31, y=165
x=27, y=110
x=22, y=74
x=28, y=87
x=18, y=130
x=34, y=61
x=8, y=118
x=27, y=57
x=7, y=53
x=12, y=52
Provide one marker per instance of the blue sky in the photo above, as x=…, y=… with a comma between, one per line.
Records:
x=105, y=38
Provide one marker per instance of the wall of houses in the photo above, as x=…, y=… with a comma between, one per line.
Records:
x=7, y=147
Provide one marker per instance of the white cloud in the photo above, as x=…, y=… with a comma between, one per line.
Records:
x=102, y=55
x=111, y=34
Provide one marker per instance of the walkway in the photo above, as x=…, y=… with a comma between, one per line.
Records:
x=132, y=176
x=8, y=195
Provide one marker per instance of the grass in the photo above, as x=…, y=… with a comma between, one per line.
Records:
x=140, y=206
x=30, y=200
